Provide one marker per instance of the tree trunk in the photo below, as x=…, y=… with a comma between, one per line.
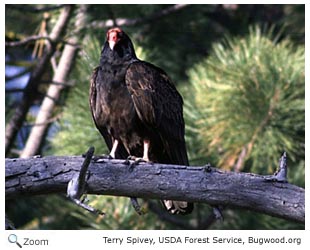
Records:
x=34, y=176
x=66, y=62
x=21, y=111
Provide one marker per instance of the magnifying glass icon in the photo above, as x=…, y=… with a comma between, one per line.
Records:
x=13, y=239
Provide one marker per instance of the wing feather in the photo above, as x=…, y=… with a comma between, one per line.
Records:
x=159, y=106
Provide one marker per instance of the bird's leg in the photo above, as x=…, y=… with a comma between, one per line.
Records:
x=113, y=150
x=145, y=158
x=146, y=147
x=110, y=156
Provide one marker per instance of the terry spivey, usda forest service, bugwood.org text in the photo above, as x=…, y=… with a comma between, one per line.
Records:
x=200, y=240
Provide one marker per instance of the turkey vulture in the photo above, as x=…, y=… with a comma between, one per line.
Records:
x=137, y=109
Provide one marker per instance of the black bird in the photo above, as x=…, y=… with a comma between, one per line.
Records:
x=137, y=109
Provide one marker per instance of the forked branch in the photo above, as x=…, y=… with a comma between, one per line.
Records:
x=264, y=194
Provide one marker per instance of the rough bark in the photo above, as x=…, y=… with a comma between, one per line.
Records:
x=21, y=111
x=34, y=176
x=66, y=62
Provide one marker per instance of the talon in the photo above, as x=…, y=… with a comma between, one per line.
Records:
x=140, y=160
x=101, y=158
x=132, y=158
x=136, y=161
x=131, y=166
x=127, y=162
x=207, y=168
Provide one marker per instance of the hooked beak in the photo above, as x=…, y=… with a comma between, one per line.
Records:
x=112, y=44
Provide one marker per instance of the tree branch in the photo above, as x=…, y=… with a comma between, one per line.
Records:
x=34, y=176
x=27, y=40
x=14, y=90
x=36, y=38
x=36, y=136
x=137, y=21
x=22, y=109
x=21, y=73
x=27, y=8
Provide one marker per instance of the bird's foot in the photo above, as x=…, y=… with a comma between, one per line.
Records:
x=135, y=161
x=208, y=168
x=101, y=158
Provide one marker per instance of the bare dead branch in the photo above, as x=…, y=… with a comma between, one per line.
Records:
x=52, y=96
x=23, y=72
x=13, y=90
x=137, y=21
x=77, y=185
x=28, y=8
x=27, y=40
x=34, y=176
x=64, y=84
x=22, y=109
x=36, y=38
x=47, y=122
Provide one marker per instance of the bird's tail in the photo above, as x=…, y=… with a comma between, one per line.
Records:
x=178, y=207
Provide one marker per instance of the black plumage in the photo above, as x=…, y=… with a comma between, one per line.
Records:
x=137, y=109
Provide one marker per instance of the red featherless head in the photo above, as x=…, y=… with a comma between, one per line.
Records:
x=114, y=35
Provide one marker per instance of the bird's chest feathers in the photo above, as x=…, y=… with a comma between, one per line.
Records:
x=112, y=83
x=114, y=98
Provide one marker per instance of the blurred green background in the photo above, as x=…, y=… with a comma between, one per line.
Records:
x=239, y=68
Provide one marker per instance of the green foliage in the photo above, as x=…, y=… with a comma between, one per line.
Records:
x=120, y=214
x=26, y=23
x=76, y=130
x=248, y=97
x=244, y=100
x=250, y=93
x=243, y=219
x=56, y=212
